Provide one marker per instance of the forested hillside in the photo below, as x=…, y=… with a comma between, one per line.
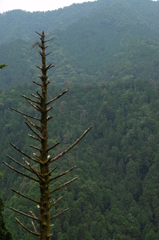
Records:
x=112, y=40
x=117, y=194
x=107, y=54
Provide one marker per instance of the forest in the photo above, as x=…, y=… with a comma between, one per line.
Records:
x=102, y=41
x=113, y=85
x=117, y=194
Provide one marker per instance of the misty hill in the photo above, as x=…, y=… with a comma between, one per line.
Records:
x=94, y=42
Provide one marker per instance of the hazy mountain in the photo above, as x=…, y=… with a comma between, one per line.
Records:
x=95, y=41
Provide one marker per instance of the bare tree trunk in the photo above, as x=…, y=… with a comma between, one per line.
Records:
x=42, y=176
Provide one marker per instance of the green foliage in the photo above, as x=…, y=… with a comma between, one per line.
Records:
x=2, y=66
x=112, y=40
x=117, y=194
x=4, y=233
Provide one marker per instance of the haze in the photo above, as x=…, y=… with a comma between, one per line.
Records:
x=36, y=5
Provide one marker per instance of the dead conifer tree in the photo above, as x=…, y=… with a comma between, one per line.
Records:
x=43, y=175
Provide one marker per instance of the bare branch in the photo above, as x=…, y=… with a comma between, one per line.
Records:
x=49, y=40
x=70, y=147
x=37, y=148
x=31, y=199
x=49, y=174
x=52, y=146
x=35, y=96
x=34, y=131
x=27, y=229
x=24, y=153
x=48, y=53
x=57, y=96
x=62, y=174
x=33, y=137
x=33, y=214
x=34, y=227
x=39, y=95
x=63, y=185
x=25, y=175
x=54, y=202
x=19, y=163
x=33, y=170
x=38, y=34
x=57, y=215
x=25, y=114
x=22, y=213
x=37, y=83
x=37, y=157
x=48, y=82
x=49, y=66
x=35, y=107
x=48, y=109
x=48, y=118
x=39, y=67
x=32, y=124
x=29, y=99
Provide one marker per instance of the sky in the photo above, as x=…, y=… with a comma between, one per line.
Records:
x=36, y=5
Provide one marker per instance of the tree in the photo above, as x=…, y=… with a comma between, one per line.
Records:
x=4, y=234
x=43, y=159
x=2, y=66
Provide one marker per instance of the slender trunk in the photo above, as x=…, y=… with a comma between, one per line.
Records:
x=44, y=165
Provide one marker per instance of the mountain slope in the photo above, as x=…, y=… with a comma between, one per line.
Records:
x=112, y=40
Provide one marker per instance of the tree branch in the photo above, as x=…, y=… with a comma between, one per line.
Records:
x=38, y=34
x=63, y=185
x=34, y=227
x=29, y=99
x=34, y=131
x=48, y=53
x=39, y=95
x=49, y=40
x=33, y=214
x=37, y=83
x=25, y=175
x=35, y=96
x=57, y=96
x=31, y=199
x=48, y=118
x=19, y=163
x=48, y=109
x=37, y=148
x=52, y=146
x=27, y=229
x=25, y=114
x=39, y=67
x=57, y=215
x=62, y=174
x=70, y=147
x=24, y=153
x=32, y=124
x=49, y=66
x=49, y=174
x=26, y=215
x=35, y=107
x=33, y=137
x=34, y=170
x=53, y=204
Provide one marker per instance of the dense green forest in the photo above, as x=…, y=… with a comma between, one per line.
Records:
x=107, y=54
x=117, y=194
x=112, y=40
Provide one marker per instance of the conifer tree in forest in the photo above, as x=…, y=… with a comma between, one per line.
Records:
x=42, y=175
x=4, y=233
x=2, y=66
